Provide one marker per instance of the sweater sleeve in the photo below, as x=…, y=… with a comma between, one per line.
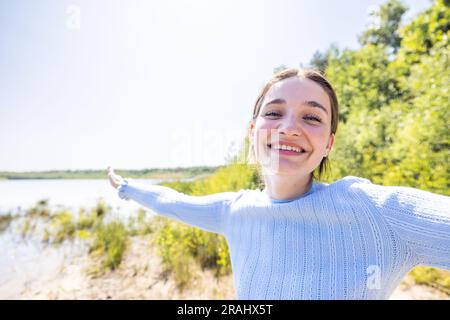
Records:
x=420, y=218
x=205, y=212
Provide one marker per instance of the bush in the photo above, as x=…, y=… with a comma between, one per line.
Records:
x=433, y=277
x=110, y=241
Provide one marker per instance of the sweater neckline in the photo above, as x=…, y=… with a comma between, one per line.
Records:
x=313, y=188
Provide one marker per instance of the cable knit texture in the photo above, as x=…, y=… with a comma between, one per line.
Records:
x=350, y=239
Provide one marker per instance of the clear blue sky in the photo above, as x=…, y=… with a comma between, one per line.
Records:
x=141, y=84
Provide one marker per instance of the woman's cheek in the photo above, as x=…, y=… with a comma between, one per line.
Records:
x=263, y=130
x=312, y=127
x=266, y=124
x=317, y=133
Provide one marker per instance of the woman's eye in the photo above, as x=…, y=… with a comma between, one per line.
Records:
x=312, y=117
x=307, y=117
x=271, y=113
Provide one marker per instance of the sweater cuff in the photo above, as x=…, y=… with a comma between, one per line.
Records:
x=122, y=190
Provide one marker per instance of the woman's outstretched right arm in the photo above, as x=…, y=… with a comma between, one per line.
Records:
x=206, y=212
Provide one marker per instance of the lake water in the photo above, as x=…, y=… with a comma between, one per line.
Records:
x=70, y=193
x=27, y=261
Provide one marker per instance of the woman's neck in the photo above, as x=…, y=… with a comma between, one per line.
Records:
x=285, y=187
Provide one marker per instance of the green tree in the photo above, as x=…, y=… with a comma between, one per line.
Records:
x=394, y=127
x=429, y=30
x=361, y=79
x=384, y=27
x=319, y=60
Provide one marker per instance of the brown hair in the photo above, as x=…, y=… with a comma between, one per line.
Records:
x=318, y=78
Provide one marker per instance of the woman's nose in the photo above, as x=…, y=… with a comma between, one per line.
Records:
x=289, y=126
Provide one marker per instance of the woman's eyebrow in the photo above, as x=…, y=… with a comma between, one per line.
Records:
x=310, y=103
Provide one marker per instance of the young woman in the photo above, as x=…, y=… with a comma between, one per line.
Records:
x=300, y=238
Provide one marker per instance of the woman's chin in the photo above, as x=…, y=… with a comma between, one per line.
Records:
x=288, y=169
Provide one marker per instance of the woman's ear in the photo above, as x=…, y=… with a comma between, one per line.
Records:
x=251, y=127
x=251, y=155
x=330, y=144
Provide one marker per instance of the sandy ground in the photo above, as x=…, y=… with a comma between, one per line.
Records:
x=140, y=276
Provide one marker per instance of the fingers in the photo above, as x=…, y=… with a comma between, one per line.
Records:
x=114, y=179
x=111, y=172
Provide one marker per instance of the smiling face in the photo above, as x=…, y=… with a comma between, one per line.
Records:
x=294, y=112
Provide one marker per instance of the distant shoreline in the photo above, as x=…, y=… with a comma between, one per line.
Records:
x=155, y=173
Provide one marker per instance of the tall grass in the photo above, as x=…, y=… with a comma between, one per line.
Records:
x=106, y=240
x=110, y=242
x=5, y=221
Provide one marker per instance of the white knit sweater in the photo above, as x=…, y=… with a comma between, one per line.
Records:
x=347, y=240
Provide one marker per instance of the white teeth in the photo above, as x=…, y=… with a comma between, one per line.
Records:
x=284, y=147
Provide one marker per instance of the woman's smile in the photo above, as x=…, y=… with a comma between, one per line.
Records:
x=282, y=150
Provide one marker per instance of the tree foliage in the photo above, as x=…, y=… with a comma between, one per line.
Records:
x=384, y=26
x=394, y=111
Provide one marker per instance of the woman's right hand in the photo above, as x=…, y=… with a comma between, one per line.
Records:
x=114, y=179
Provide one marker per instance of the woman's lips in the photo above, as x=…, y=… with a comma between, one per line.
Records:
x=286, y=152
